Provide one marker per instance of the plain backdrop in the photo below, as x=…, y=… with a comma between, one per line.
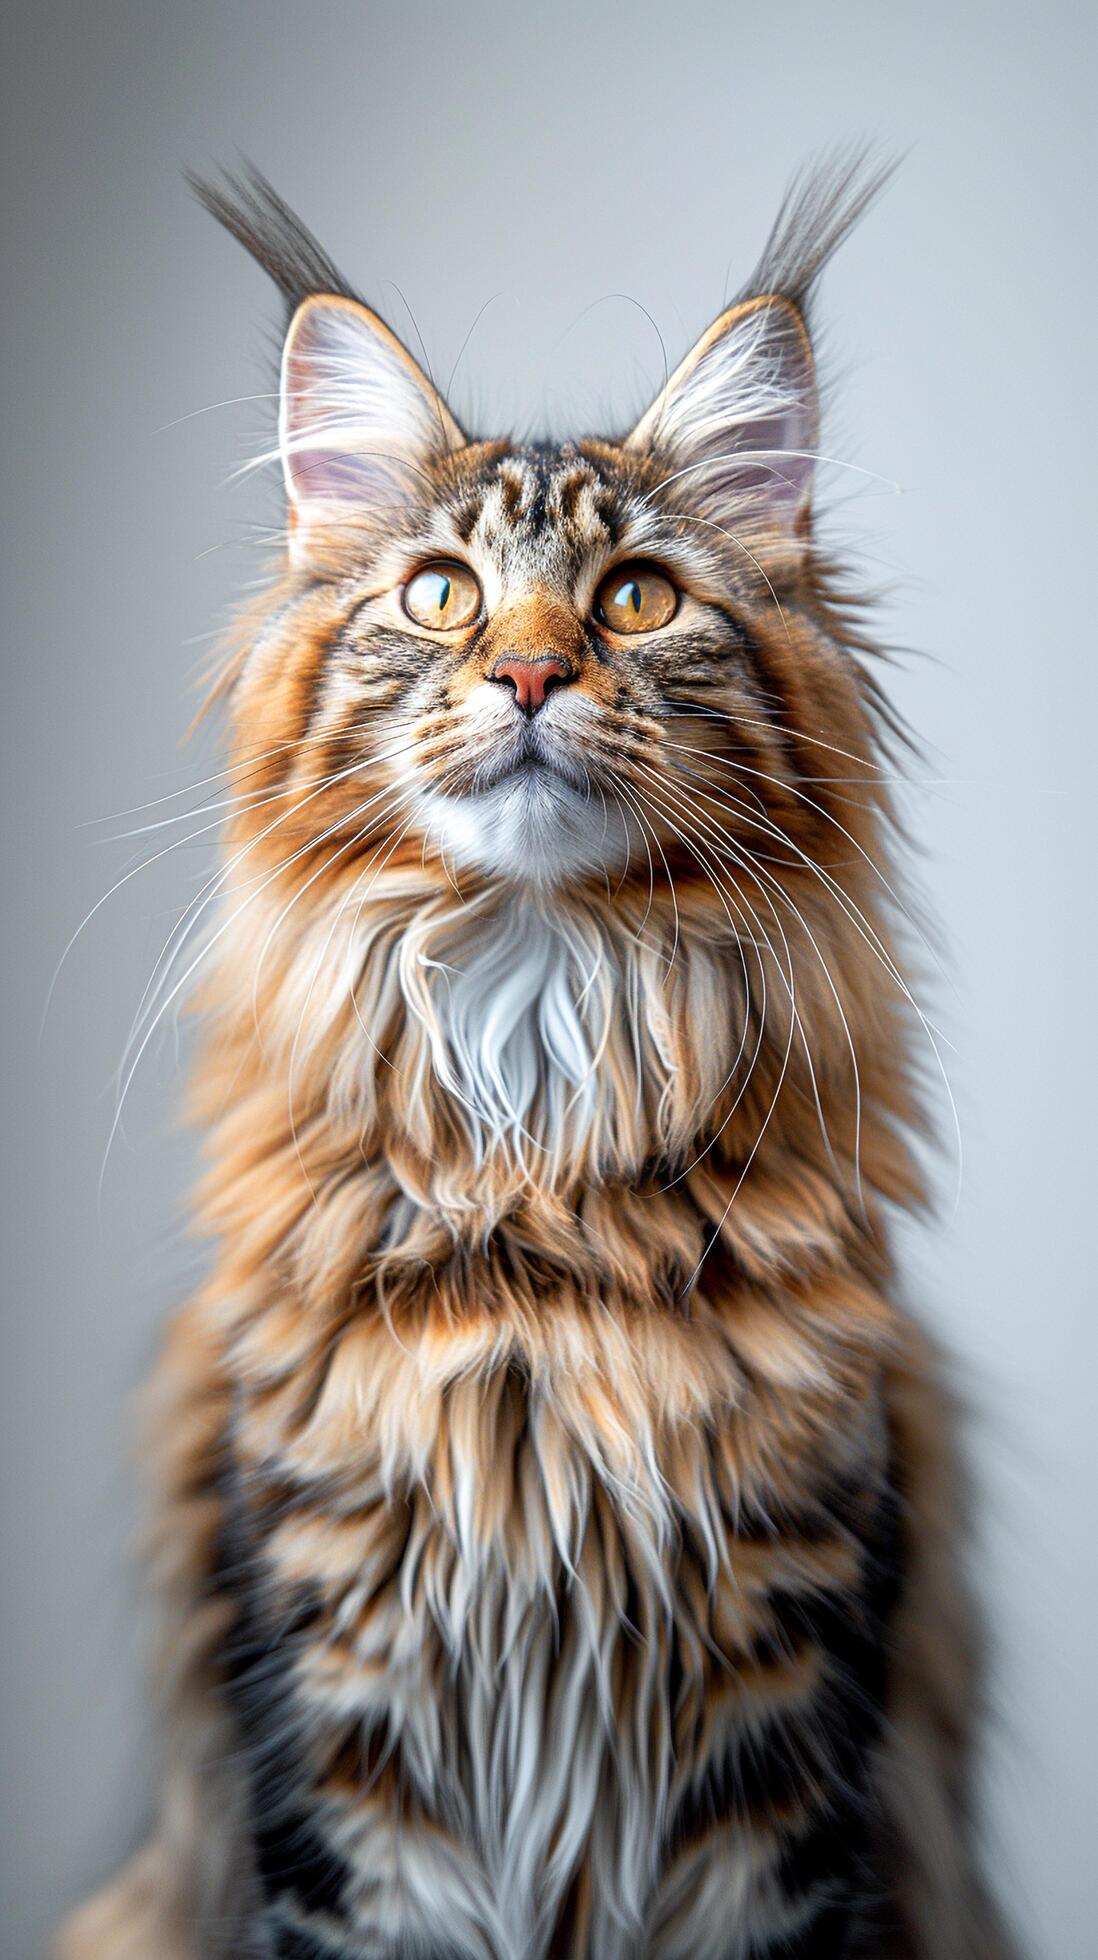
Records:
x=598, y=176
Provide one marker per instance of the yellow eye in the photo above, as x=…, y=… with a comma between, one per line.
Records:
x=635, y=599
x=442, y=596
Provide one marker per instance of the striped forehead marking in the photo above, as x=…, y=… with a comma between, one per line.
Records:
x=534, y=491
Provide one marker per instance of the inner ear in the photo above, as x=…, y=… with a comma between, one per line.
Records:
x=738, y=422
x=359, y=421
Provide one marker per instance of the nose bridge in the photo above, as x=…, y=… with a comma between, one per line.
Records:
x=533, y=646
x=536, y=626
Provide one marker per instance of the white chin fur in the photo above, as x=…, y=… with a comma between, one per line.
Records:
x=532, y=827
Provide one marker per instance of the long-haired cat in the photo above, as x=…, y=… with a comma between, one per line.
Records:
x=555, y=1511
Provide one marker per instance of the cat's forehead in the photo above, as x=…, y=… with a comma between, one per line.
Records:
x=546, y=509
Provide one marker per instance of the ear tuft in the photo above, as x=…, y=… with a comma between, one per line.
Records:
x=253, y=213
x=820, y=209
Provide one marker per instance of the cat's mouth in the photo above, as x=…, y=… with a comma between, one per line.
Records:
x=528, y=814
x=531, y=768
x=532, y=756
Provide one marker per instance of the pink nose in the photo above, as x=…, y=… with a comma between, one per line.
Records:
x=531, y=679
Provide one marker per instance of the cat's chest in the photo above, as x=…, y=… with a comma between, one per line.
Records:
x=514, y=1579
x=514, y=1016
x=508, y=1637
x=523, y=1599
x=534, y=1051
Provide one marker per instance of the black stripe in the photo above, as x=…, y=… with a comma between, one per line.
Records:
x=819, y=1759
x=292, y=1859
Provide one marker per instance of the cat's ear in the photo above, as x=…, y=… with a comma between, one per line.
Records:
x=737, y=424
x=359, y=422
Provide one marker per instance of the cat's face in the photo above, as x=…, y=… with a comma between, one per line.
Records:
x=534, y=663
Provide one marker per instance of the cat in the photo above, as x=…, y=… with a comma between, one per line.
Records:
x=557, y=1516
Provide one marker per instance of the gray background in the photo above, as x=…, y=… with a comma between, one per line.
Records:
x=550, y=157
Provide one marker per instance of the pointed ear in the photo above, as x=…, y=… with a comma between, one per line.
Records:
x=737, y=424
x=358, y=420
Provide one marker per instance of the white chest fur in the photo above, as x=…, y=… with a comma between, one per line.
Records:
x=516, y=1012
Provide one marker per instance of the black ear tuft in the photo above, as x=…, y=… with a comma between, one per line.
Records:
x=822, y=205
x=251, y=209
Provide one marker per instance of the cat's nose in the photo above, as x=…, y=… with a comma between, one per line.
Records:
x=531, y=680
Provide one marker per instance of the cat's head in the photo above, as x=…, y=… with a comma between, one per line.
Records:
x=549, y=663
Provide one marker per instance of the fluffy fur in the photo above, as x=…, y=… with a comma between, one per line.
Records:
x=555, y=1513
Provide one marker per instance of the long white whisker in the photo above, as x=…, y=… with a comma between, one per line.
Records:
x=691, y=1280
x=707, y=523
x=725, y=898
x=746, y=865
x=750, y=456
x=245, y=764
x=402, y=800
x=785, y=728
x=233, y=401
x=391, y=797
x=155, y=858
x=870, y=937
x=623, y=791
x=623, y=807
x=194, y=964
x=787, y=973
x=186, y=926
x=854, y=912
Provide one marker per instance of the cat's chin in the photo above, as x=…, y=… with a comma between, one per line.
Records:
x=531, y=826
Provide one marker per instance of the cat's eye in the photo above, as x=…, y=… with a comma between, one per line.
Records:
x=636, y=599
x=442, y=596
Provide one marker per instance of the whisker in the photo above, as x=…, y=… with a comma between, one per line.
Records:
x=358, y=914
x=185, y=927
x=247, y=765
x=155, y=858
x=738, y=768
x=477, y=318
x=686, y=517
x=738, y=935
x=623, y=791
x=874, y=942
x=278, y=871
x=401, y=801
x=233, y=401
x=759, y=721
x=745, y=864
x=692, y=1279
x=397, y=794
x=788, y=978
x=750, y=456
x=651, y=866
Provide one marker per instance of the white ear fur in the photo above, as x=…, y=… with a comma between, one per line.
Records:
x=357, y=418
x=738, y=421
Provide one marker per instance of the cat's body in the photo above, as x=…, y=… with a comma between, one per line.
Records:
x=555, y=1512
